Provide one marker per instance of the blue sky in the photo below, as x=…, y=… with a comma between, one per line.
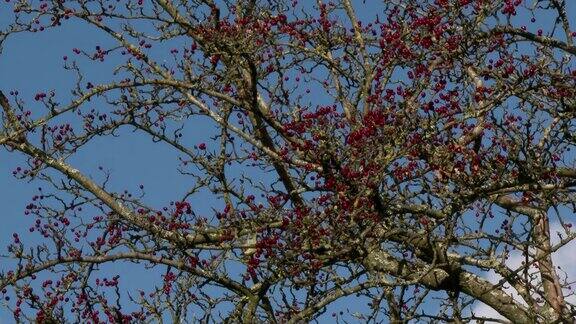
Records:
x=32, y=63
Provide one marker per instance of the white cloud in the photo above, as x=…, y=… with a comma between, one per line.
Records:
x=563, y=258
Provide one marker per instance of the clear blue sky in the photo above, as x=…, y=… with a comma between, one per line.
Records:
x=33, y=62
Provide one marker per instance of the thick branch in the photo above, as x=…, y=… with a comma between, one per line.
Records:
x=441, y=279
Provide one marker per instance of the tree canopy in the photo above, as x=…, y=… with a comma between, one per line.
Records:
x=411, y=156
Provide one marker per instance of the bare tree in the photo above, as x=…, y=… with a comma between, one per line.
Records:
x=408, y=149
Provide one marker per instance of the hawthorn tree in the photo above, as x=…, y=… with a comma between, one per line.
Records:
x=389, y=153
